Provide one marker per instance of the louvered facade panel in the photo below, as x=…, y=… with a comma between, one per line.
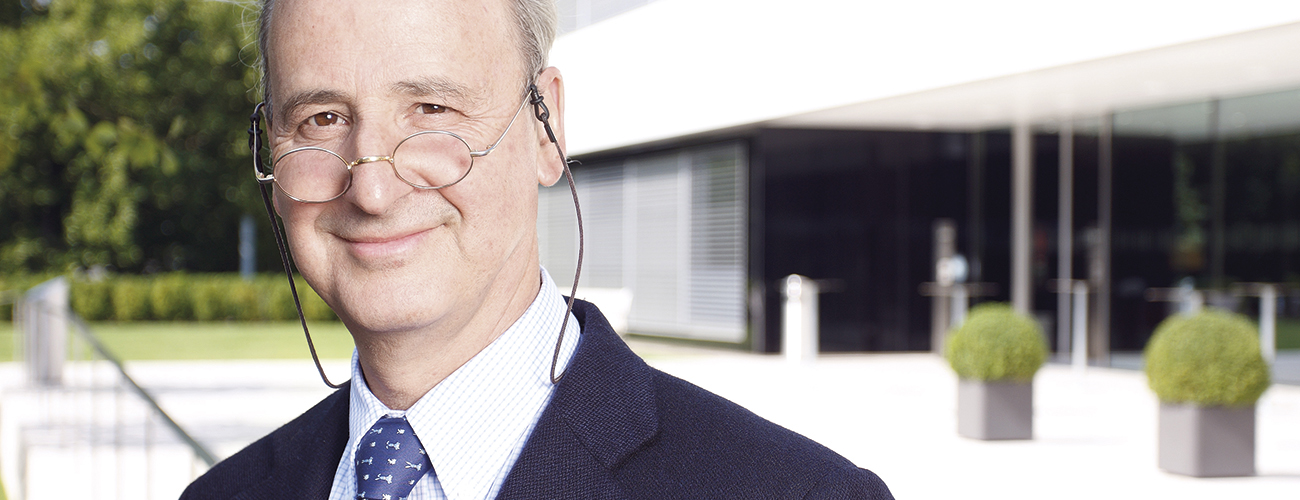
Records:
x=602, y=191
x=717, y=277
x=670, y=228
x=557, y=233
x=656, y=301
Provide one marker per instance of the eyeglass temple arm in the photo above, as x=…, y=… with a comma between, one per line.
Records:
x=534, y=98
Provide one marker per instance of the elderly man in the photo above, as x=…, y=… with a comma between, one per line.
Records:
x=408, y=142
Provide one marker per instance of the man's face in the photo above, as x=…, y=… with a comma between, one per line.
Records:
x=364, y=75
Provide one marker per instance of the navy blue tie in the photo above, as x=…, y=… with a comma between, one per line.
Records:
x=390, y=460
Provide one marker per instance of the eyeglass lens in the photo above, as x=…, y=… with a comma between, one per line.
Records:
x=425, y=160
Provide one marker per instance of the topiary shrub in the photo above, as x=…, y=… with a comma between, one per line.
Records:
x=1210, y=358
x=996, y=343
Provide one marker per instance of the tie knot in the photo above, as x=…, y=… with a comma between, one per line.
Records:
x=390, y=460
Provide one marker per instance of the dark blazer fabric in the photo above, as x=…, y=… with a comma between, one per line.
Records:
x=615, y=429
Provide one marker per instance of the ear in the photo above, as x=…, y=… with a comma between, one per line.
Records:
x=550, y=166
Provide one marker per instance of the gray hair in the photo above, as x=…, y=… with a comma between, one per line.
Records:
x=535, y=25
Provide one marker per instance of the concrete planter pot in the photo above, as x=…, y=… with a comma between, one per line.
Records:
x=1207, y=441
x=995, y=409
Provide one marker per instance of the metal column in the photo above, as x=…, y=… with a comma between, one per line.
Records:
x=1022, y=177
x=1065, y=235
x=1099, y=341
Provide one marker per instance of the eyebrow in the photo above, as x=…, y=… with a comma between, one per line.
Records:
x=436, y=87
x=420, y=87
x=310, y=97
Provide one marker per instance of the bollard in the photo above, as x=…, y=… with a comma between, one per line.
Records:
x=45, y=331
x=960, y=304
x=1268, y=322
x=1190, y=300
x=1079, y=349
x=799, y=329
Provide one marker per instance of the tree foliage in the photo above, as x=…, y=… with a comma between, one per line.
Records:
x=122, y=134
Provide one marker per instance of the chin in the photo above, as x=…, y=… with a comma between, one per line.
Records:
x=389, y=310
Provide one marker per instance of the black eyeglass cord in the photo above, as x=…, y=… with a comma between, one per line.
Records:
x=255, y=144
x=543, y=115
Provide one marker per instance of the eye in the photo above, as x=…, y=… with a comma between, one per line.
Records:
x=324, y=119
x=432, y=109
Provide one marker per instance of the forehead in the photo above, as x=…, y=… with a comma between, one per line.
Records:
x=362, y=47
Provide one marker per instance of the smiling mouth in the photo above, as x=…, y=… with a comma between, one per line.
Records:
x=383, y=247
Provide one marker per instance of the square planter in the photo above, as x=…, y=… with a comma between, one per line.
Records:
x=1207, y=441
x=995, y=410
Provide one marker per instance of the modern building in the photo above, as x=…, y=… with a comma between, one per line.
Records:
x=1129, y=146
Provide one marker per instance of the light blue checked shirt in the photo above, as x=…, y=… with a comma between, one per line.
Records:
x=475, y=422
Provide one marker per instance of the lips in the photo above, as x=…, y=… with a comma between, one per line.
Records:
x=372, y=247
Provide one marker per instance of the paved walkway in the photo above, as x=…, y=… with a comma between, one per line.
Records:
x=892, y=413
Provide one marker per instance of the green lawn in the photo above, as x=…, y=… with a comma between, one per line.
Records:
x=211, y=340
x=284, y=340
x=1288, y=333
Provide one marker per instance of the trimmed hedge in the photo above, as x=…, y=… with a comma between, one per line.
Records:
x=183, y=297
x=1211, y=358
x=996, y=343
x=16, y=284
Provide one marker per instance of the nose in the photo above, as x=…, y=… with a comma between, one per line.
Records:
x=375, y=186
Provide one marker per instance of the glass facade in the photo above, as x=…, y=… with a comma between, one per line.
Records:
x=1205, y=194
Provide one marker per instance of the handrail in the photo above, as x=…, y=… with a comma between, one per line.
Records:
x=89, y=337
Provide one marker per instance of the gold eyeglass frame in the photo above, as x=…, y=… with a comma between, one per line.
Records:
x=265, y=178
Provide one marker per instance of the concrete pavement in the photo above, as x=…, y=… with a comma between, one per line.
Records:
x=892, y=413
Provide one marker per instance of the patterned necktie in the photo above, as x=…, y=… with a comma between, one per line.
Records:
x=390, y=460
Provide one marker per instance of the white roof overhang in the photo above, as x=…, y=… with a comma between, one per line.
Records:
x=678, y=68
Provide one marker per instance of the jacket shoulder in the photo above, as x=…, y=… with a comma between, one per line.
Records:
x=296, y=458
x=708, y=444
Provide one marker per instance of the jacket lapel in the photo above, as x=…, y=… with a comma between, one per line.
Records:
x=603, y=410
x=306, y=460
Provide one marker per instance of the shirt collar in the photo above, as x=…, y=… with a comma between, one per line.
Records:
x=476, y=421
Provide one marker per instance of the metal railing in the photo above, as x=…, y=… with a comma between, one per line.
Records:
x=95, y=433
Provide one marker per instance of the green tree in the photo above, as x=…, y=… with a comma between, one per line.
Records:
x=122, y=136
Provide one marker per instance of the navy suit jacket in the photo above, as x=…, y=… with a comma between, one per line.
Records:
x=615, y=429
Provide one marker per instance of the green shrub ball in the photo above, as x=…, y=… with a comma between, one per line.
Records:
x=1211, y=358
x=996, y=343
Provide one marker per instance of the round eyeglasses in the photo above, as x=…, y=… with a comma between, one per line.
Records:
x=428, y=159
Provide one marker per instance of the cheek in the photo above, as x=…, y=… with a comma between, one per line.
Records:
x=304, y=242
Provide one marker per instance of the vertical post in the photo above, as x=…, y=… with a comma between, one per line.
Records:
x=1022, y=176
x=1064, y=234
x=247, y=247
x=960, y=304
x=45, y=330
x=1268, y=322
x=1099, y=344
x=799, y=323
x=1079, y=351
x=1218, y=197
x=975, y=207
x=945, y=243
